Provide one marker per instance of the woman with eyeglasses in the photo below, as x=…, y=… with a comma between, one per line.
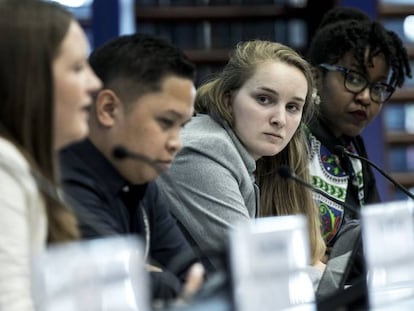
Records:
x=357, y=65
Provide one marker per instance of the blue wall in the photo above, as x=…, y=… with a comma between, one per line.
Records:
x=111, y=18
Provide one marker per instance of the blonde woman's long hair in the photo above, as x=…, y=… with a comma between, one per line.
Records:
x=278, y=197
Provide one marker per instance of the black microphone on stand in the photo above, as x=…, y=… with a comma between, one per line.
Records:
x=285, y=172
x=341, y=151
x=331, y=293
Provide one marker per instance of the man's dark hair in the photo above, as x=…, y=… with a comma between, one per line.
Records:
x=345, y=29
x=133, y=65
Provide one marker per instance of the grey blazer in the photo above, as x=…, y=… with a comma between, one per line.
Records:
x=213, y=181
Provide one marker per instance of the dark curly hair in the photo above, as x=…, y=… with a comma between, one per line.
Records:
x=344, y=30
x=130, y=65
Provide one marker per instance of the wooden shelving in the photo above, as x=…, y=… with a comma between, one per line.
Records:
x=208, y=56
x=218, y=12
x=410, y=48
x=401, y=96
x=231, y=13
x=399, y=139
x=404, y=178
x=393, y=10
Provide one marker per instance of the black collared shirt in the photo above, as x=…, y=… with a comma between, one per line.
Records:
x=97, y=193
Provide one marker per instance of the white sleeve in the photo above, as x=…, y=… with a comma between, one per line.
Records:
x=20, y=207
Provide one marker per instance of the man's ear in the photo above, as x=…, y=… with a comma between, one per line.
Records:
x=108, y=106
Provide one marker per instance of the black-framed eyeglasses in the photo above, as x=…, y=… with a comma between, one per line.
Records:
x=355, y=82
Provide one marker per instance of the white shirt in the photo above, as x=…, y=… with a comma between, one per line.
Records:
x=23, y=228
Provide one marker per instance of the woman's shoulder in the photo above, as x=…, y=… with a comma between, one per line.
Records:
x=11, y=156
x=204, y=131
x=214, y=138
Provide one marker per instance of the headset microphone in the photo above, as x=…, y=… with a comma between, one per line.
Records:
x=122, y=153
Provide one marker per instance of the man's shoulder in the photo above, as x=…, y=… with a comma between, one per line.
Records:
x=84, y=162
x=72, y=164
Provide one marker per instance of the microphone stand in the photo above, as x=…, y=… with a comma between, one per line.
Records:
x=339, y=150
x=285, y=172
x=354, y=296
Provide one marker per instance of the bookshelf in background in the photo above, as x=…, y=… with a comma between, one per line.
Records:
x=399, y=111
x=208, y=29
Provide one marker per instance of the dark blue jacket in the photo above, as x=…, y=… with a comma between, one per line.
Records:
x=96, y=191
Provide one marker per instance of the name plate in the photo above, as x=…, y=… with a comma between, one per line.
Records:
x=388, y=239
x=105, y=274
x=388, y=231
x=268, y=261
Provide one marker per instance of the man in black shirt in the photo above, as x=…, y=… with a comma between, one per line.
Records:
x=148, y=95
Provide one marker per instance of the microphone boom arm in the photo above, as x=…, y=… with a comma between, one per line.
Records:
x=286, y=173
x=392, y=180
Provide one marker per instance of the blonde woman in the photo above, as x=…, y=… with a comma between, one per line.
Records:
x=247, y=124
